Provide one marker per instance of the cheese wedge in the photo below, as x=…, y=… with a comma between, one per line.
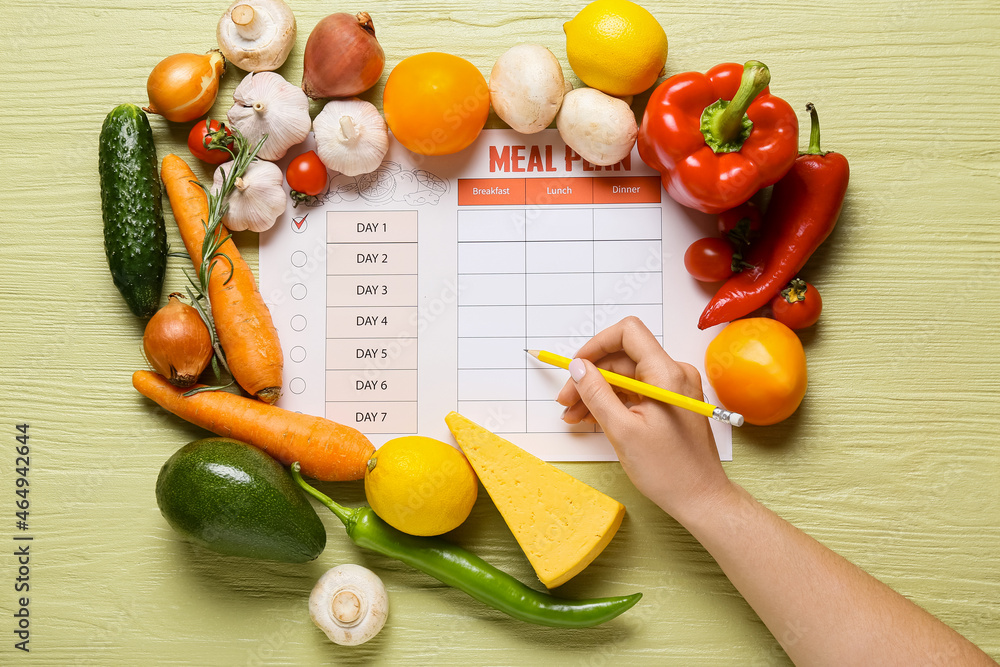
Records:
x=561, y=523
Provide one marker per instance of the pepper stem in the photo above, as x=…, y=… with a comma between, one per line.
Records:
x=724, y=123
x=343, y=513
x=813, y=131
x=727, y=125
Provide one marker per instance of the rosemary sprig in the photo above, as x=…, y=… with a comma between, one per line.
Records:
x=215, y=232
x=219, y=357
x=196, y=295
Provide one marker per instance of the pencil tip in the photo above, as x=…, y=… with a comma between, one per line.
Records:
x=533, y=353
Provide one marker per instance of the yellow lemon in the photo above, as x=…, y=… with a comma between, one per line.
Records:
x=616, y=46
x=421, y=486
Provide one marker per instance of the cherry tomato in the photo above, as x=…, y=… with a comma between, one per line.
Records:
x=758, y=368
x=709, y=259
x=199, y=136
x=306, y=174
x=798, y=306
x=731, y=220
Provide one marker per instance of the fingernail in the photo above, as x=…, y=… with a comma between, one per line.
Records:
x=563, y=414
x=577, y=369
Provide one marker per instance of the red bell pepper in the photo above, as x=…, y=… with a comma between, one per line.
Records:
x=719, y=137
x=804, y=208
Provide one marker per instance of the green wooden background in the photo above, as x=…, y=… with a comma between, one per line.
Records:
x=892, y=459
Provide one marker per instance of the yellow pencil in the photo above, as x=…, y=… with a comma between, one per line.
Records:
x=650, y=391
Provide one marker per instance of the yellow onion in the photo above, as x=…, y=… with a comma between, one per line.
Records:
x=177, y=343
x=183, y=87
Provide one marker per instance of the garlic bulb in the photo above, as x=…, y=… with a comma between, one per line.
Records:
x=258, y=198
x=267, y=104
x=351, y=136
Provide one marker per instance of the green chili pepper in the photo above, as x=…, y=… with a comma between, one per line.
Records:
x=461, y=569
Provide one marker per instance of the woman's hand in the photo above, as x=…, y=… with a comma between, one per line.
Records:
x=822, y=609
x=669, y=453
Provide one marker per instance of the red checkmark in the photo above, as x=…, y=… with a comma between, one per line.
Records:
x=298, y=222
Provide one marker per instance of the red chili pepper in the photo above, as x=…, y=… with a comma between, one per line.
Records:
x=804, y=208
x=719, y=137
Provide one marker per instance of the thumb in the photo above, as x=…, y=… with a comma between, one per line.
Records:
x=597, y=394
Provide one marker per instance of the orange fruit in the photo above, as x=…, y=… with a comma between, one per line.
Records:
x=758, y=368
x=436, y=103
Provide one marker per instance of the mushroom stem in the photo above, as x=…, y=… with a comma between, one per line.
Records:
x=347, y=127
x=346, y=607
x=246, y=26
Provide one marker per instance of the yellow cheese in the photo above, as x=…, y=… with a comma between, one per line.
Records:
x=561, y=523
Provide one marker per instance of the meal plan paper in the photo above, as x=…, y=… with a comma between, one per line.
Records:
x=406, y=293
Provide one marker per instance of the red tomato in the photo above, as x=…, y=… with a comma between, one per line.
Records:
x=730, y=220
x=306, y=174
x=199, y=136
x=798, y=306
x=709, y=259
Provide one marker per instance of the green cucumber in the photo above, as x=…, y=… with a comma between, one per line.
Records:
x=234, y=499
x=135, y=236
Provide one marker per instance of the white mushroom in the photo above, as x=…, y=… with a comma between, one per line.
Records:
x=526, y=87
x=256, y=35
x=601, y=128
x=349, y=604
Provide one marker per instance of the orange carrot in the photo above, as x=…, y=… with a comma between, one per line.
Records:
x=242, y=320
x=326, y=450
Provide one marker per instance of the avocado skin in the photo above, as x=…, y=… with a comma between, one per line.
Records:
x=232, y=498
x=135, y=235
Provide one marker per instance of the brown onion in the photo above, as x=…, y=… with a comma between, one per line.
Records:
x=177, y=343
x=342, y=57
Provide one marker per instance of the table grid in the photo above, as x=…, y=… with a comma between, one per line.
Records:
x=545, y=279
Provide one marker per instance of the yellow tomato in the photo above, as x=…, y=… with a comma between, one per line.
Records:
x=758, y=368
x=436, y=103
